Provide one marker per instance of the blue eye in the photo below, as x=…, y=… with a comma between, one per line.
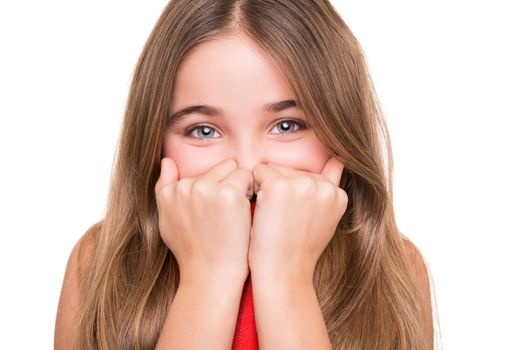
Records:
x=286, y=127
x=206, y=131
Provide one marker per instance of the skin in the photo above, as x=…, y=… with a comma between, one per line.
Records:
x=274, y=154
x=280, y=246
x=222, y=74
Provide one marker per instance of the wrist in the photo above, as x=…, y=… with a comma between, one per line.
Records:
x=210, y=277
x=281, y=277
x=280, y=289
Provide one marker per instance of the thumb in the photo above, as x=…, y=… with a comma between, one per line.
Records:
x=333, y=170
x=169, y=174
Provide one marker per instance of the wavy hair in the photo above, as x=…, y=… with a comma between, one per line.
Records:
x=367, y=295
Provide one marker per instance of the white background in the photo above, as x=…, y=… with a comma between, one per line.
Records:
x=450, y=76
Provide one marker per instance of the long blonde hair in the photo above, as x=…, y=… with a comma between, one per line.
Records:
x=367, y=295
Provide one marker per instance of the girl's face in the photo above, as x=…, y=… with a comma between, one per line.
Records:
x=230, y=101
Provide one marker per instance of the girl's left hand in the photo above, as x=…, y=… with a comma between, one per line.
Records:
x=295, y=218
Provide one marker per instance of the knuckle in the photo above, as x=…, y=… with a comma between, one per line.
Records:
x=343, y=196
x=342, y=193
x=227, y=193
x=183, y=187
x=163, y=193
x=184, y=183
x=305, y=185
x=280, y=185
x=327, y=191
x=200, y=188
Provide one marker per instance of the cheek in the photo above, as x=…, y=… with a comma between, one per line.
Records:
x=306, y=155
x=191, y=161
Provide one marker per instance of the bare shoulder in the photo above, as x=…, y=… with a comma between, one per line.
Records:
x=68, y=303
x=419, y=271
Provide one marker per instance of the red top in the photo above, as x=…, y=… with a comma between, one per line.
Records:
x=245, y=336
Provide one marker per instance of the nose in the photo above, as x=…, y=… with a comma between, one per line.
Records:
x=248, y=152
x=248, y=155
x=247, y=161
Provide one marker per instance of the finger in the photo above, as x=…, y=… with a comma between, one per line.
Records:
x=219, y=171
x=242, y=179
x=264, y=172
x=285, y=171
x=333, y=170
x=290, y=172
x=169, y=174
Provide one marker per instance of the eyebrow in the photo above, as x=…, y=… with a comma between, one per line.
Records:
x=214, y=111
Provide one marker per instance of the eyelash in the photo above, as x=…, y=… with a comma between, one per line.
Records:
x=301, y=126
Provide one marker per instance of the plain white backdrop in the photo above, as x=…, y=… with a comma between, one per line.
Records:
x=450, y=77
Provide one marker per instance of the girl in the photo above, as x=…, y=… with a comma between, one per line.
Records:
x=251, y=202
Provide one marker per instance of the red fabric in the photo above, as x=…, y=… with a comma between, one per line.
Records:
x=245, y=337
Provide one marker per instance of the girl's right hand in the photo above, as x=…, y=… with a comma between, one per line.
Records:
x=205, y=221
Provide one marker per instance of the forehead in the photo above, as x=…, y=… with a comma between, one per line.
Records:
x=226, y=71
